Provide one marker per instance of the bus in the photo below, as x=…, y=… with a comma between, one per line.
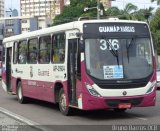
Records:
x=88, y=65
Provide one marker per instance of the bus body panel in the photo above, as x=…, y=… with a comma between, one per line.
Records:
x=41, y=84
x=93, y=103
x=137, y=96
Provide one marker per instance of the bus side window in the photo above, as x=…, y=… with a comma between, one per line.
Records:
x=33, y=51
x=58, y=48
x=22, y=52
x=1, y=48
x=45, y=46
x=15, y=52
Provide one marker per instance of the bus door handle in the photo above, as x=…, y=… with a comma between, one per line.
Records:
x=65, y=75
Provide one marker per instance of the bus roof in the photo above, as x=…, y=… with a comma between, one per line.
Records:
x=65, y=27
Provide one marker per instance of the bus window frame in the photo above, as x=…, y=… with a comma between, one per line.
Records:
x=15, y=43
x=52, y=48
x=39, y=38
x=30, y=51
x=20, y=41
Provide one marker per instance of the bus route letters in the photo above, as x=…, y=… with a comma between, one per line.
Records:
x=117, y=29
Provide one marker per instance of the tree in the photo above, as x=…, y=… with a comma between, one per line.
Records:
x=75, y=10
x=113, y=11
x=126, y=13
x=158, y=1
x=130, y=12
x=155, y=28
x=143, y=14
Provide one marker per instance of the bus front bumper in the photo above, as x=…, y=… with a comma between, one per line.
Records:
x=95, y=103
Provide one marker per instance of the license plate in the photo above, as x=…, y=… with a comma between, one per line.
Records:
x=124, y=105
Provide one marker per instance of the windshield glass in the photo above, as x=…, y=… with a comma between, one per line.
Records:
x=109, y=59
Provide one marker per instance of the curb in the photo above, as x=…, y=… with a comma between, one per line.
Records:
x=23, y=119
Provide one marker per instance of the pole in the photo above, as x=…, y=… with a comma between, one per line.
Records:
x=11, y=4
x=98, y=9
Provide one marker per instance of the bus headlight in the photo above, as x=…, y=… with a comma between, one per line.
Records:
x=92, y=91
x=151, y=88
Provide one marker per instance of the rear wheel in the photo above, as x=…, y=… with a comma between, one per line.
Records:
x=21, y=98
x=64, y=108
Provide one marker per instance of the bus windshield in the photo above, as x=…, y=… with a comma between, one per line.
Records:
x=119, y=58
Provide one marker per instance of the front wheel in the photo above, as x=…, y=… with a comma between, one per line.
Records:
x=21, y=98
x=65, y=110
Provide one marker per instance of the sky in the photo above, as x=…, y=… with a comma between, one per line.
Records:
x=15, y=4
x=142, y=4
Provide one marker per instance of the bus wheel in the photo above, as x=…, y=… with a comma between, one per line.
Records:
x=65, y=110
x=21, y=98
x=119, y=110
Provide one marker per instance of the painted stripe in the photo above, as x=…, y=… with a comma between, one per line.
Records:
x=22, y=119
x=82, y=57
x=4, y=85
x=140, y=118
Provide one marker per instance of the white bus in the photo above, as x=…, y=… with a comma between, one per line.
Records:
x=89, y=65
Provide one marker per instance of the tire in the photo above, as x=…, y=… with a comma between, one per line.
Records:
x=21, y=98
x=65, y=110
x=119, y=110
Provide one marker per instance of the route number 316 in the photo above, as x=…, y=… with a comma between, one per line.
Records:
x=111, y=44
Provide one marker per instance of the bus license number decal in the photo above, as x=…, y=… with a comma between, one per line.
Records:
x=113, y=72
x=59, y=68
x=109, y=44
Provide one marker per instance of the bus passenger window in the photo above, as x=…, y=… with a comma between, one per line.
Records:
x=45, y=46
x=33, y=44
x=58, y=48
x=15, y=52
x=22, y=52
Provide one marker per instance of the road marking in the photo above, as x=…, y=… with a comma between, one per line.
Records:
x=22, y=119
x=140, y=118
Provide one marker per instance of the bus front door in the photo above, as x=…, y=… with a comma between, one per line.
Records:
x=72, y=70
x=8, y=68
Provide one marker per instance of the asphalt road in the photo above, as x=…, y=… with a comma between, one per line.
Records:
x=48, y=114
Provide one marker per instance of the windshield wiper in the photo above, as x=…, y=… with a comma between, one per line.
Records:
x=129, y=45
x=113, y=51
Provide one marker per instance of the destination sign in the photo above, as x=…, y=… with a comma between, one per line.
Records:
x=93, y=30
x=116, y=29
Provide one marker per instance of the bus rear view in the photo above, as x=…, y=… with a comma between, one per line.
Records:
x=119, y=66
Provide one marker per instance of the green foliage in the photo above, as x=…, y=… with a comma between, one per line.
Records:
x=158, y=1
x=75, y=10
x=143, y=14
x=155, y=28
x=126, y=13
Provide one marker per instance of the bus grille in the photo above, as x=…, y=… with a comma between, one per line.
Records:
x=122, y=86
x=115, y=102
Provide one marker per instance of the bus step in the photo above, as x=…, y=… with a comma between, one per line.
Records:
x=11, y=93
x=73, y=104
